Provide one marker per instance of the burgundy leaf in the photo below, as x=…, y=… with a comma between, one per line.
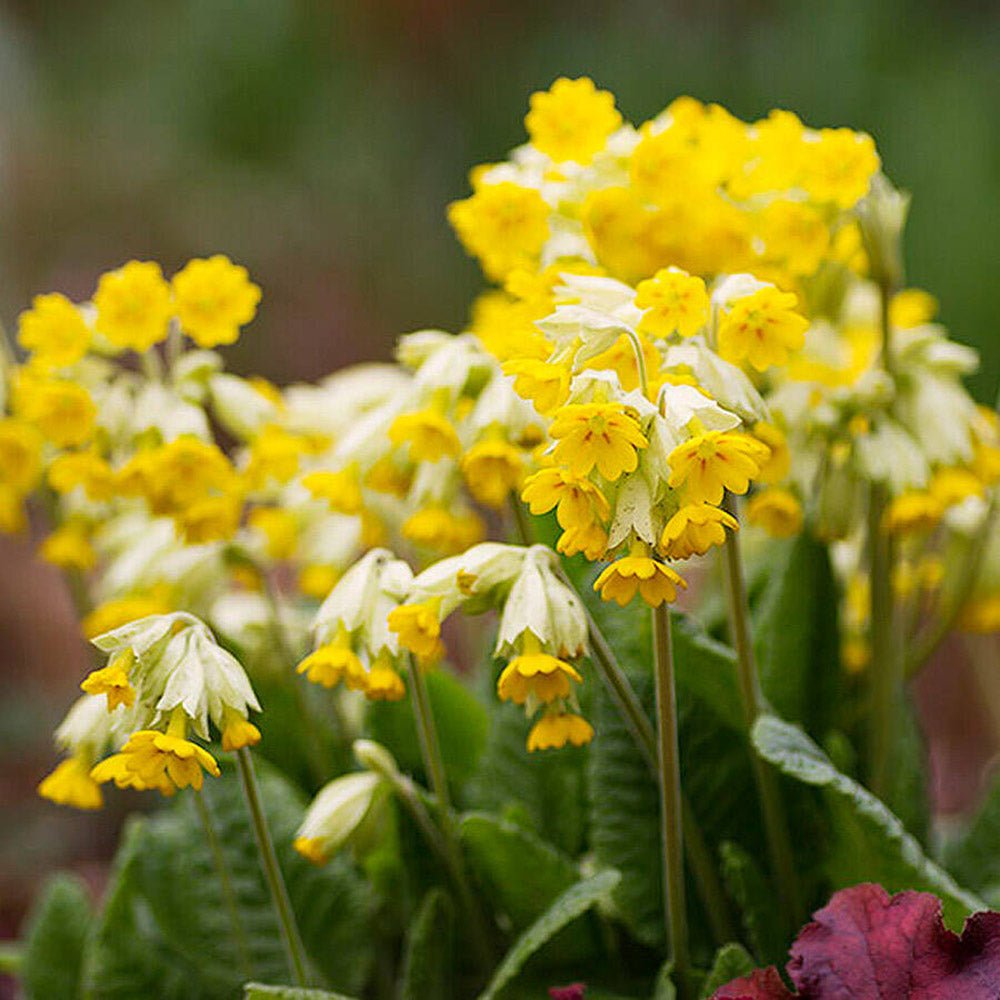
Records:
x=868, y=945
x=764, y=984
x=575, y=991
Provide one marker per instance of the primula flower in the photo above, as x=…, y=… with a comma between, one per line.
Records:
x=590, y=539
x=71, y=784
x=571, y=120
x=334, y=662
x=384, y=682
x=418, y=627
x=210, y=519
x=340, y=812
x=577, y=500
x=429, y=434
x=762, y=328
x=536, y=675
x=492, y=468
x=63, y=411
x=152, y=756
x=601, y=434
x=775, y=467
x=556, y=729
x=639, y=574
x=340, y=489
x=504, y=225
x=275, y=455
x=238, y=732
x=84, y=469
x=112, y=681
x=54, y=331
x=441, y=530
x=214, y=298
x=545, y=384
x=694, y=529
x=69, y=547
x=777, y=511
x=913, y=512
x=20, y=455
x=839, y=167
x=912, y=307
x=675, y=302
x=279, y=528
x=133, y=306
x=121, y=610
x=707, y=465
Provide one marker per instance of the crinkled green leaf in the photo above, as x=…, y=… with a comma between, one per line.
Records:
x=755, y=897
x=52, y=959
x=865, y=841
x=573, y=903
x=731, y=960
x=429, y=959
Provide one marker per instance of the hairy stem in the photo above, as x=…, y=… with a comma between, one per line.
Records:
x=290, y=938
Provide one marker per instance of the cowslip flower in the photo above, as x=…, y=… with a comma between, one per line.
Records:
x=428, y=433
x=694, y=529
x=639, y=573
x=674, y=302
x=213, y=299
x=604, y=435
x=133, y=306
x=493, y=469
x=571, y=120
x=545, y=384
x=20, y=455
x=54, y=331
x=63, y=411
x=762, y=328
x=557, y=728
x=577, y=501
x=707, y=465
x=777, y=511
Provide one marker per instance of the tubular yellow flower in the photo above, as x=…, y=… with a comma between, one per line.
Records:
x=635, y=574
x=68, y=547
x=775, y=467
x=762, y=328
x=210, y=519
x=675, y=302
x=385, y=476
x=537, y=675
x=952, y=486
x=119, y=611
x=279, y=528
x=153, y=756
x=133, y=305
x=590, y=539
x=913, y=512
x=112, y=681
x=442, y=531
x=82, y=468
x=709, y=464
x=117, y=768
x=504, y=225
x=239, y=732
x=333, y=663
x=556, y=729
x=546, y=385
x=340, y=489
x=317, y=580
x=912, y=307
x=418, y=627
x=571, y=120
x=492, y=468
x=20, y=455
x=384, y=682
x=54, y=331
x=777, y=511
x=577, y=500
x=214, y=298
x=601, y=434
x=694, y=529
x=840, y=167
x=70, y=784
x=428, y=433
x=62, y=411
x=275, y=455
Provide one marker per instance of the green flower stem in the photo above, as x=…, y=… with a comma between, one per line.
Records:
x=450, y=849
x=775, y=824
x=671, y=831
x=291, y=939
x=226, y=884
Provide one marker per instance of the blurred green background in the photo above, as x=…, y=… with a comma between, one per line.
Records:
x=318, y=143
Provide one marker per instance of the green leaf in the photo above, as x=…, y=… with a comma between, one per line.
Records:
x=167, y=931
x=573, y=903
x=519, y=873
x=797, y=638
x=258, y=991
x=52, y=960
x=429, y=960
x=865, y=841
x=664, y=988
x=731, y=960
x=543, y=791
x=755, y=897
x=973, y=856
x=461, y=720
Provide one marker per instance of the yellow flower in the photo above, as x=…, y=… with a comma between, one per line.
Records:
x=384, y=682
x=117, y=768
x=333, y=663
x=590, y=539
x=912, y=307
x=762, y=328
x=504, y=225
x=694, y=529
x=839, y=168
x=795, y=234
x=210, y=519
x=20, y=455
x=119, y=611
x=601, y=434
x=312, y=849
x=536, y=675
x=546, y=385
x=238, y=732
x=418, y=627
x=952, y=486
x=82, y=468
x=153, y=756
x=13, y=518
x=675, y=301
x=777, y=511
x=70, y=784
x=385, y=476
x=571, y=120
x=214, y=298
x=112, y=681
x=556, y=729
x=654, y=581
x=317, y=580
x=442, y=531
x=54, y=331
x=275, y=454
x=913, y=512
x=279, y=528
x=340, y=489
x=709, y=464
x=492, y=469
x=133, y=305
x=775, y=467
x=429, y=434
x=68, y=547
x=62, y=411
x=577, y=500
x=981, y=615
